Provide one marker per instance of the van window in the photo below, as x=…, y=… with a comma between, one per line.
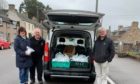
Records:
x=73, y=20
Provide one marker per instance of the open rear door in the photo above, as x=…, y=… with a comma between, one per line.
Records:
x=73, y=19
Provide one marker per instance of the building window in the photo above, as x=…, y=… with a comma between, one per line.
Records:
x=29, y=26
x=18, y=23
x=30, y=35
x=8, y=25
x=1, y=35
x=0, y=21
x=14, y=36
x=8, y=37
x=14, y=24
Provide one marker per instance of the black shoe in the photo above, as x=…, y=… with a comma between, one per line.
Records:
x=26, y=83
x=32, y=82
x=40, y=82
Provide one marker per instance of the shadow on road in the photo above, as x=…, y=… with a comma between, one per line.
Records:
x=68, y=81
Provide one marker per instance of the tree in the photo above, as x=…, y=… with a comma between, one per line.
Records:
x=48, y=8
x=34, y=8
x=22, y=5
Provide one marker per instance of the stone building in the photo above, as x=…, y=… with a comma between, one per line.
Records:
x=24, y=21
x=127, y=34
x=11, y=20
x=7, y=28
x=127, y=37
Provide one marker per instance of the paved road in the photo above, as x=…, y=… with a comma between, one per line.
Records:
x=9, y=73
x=122, y=70
x=125, y=71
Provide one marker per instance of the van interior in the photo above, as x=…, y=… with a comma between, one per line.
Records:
x=70, y=43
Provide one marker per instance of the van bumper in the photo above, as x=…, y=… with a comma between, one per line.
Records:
x=69, y=74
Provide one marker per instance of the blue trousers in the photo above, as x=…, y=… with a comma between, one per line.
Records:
x=23, y=75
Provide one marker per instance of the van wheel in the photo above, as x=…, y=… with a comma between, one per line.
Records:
x=47, y=78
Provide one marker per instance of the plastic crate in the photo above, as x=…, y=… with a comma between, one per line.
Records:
x=56, y=64
x=75, y=64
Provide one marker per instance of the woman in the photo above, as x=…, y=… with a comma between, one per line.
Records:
x=23, y=58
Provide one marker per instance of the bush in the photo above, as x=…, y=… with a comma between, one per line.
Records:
x=135, y=55
x=122, y=55
x=132, y=54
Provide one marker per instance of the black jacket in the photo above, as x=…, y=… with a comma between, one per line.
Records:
x=22, y=60
x=103, y=50
x=38, y=46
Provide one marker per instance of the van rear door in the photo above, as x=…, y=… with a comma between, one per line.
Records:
x=72, y=19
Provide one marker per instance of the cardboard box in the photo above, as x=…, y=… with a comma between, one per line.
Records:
x=69, y=50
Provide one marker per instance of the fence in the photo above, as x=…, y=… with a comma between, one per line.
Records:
x=126, y=47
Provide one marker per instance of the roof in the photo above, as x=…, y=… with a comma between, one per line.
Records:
x=3, y=15
x=25, y=18
x=39, y=25
x=5, y=19
x=3, y=12
x=121, y=31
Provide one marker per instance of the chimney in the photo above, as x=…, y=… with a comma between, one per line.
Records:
x=120, y=27
x=134, y=25
x=34, y=18
x=25, y=14
x=11, y=7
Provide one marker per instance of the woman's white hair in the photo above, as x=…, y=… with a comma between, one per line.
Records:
x=37, y=30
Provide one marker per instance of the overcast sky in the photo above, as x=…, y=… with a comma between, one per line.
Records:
x=117, y=12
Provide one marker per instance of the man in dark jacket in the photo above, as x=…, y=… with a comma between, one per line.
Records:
x=103, y=54
x=37, y=43
x=23, y=58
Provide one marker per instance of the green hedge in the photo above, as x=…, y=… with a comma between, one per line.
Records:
x=131, y=54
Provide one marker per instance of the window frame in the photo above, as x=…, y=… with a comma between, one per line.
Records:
x=1, y=21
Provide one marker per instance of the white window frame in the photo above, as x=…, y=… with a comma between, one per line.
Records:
x=1, y=21
x=1, y=35
x=14, y=23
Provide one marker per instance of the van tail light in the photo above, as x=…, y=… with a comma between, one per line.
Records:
x=46, y=52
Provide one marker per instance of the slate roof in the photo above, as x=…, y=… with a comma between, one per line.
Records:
x=3, y=15
x=25, y=18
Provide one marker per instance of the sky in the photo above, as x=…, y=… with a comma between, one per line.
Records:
x=117, y=12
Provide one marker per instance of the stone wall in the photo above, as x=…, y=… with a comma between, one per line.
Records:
x=132, y=35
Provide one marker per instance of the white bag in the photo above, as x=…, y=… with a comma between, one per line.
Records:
x=79, y=58
x=61, y=57
x=29, y=50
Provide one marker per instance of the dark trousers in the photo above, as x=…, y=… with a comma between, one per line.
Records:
x=23, y=75
x=37, y=65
